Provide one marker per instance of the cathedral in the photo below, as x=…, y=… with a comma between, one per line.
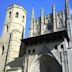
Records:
x=48, y=47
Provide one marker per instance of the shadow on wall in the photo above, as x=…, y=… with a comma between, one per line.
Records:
x=17, y=63
x=49, y=64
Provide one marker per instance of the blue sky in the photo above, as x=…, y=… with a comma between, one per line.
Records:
x=28, y=5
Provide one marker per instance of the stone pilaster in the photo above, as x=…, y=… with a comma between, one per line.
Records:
x=42, y=21
x=31, y=31
x=54, y=18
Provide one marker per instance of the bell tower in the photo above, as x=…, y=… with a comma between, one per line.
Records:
x=15, y=23
x=15, y=19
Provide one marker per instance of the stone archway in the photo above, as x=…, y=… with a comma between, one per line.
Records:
x=45, y=63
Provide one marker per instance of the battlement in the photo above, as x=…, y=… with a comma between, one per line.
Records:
x=17, y=6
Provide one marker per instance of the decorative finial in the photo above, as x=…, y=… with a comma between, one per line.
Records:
x=32, y=14
x=53, y=7
x=67, y=9
x=42, y=11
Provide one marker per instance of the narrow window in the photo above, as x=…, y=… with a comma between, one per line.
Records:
x=29, y=51
x=7, y=28
x=33, y=50
x=62, y=46
x=17, y=14
x=23, y=19
x=55, y=47
x=2, y=50
x=9, y=14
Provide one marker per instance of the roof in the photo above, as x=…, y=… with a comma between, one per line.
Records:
x=60, y=35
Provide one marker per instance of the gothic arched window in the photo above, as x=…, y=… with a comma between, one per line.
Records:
x=17, y=14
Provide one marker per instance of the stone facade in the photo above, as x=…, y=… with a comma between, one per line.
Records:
x=48, y=48
x=45, y=55
x=53, y=22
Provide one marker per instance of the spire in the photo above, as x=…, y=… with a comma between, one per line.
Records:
x=42, y=15
x=67, y=9
x=42, y=20
x=53, y=8
x=42, y=11
x=67, y=19
x=32, y=16
x=32, y=24
x=54, y=17
x=67, y=13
